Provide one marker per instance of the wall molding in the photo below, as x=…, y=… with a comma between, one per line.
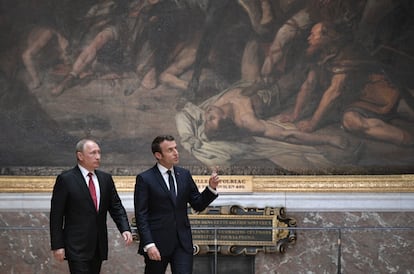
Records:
x=295, y=193
x=293, y=202
x=264, y=184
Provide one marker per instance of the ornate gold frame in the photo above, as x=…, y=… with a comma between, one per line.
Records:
x=331, y=183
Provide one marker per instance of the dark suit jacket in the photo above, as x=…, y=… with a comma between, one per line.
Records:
x=74, y=222
x=159, y=220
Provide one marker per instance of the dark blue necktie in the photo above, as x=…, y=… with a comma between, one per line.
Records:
x=171, y=182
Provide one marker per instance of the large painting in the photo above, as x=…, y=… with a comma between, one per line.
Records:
x=253, y=86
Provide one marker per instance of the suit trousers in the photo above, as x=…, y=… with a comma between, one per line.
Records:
x=92, y=266
x=181, y=262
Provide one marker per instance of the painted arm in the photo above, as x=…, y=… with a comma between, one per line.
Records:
x=329, y=97
x=306, y=89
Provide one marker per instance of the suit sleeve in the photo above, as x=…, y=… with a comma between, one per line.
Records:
x=57, y=213
x=117, y=210
x=200, y=201
x=141, y=211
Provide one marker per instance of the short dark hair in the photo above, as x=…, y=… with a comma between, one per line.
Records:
x=155, y=146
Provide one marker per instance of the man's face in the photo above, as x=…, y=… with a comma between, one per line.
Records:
x=169, y=154
x=90, y=157
x=213, y=116
x=315, y=39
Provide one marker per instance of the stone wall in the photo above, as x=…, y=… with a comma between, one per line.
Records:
x=370, y=242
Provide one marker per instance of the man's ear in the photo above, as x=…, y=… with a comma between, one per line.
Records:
x=158, y=155
x=79, y=155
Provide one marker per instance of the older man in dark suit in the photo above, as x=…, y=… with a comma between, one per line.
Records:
x=81, y=198
x=160, y=198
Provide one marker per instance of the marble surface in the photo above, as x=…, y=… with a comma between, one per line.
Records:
x=370, y=242
x=293, y=201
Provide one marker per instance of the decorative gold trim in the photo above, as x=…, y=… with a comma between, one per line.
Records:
x=334, y=183
x=235, y=230
x=347, y=183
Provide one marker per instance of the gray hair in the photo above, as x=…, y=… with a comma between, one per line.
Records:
x=81, y=144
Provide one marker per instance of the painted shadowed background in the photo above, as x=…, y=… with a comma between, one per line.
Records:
x=122, y=72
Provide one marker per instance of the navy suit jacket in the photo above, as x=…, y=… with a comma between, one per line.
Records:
x=159, y=219
x=74, y=222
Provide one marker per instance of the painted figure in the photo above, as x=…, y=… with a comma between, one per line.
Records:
x=351, y=83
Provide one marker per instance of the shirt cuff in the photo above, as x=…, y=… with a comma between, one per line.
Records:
x=212, y=190
x=148, y=246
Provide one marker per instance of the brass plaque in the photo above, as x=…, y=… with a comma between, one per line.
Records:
x=234, y=230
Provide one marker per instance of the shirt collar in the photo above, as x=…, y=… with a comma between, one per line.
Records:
x=84, y=171
x=163, y=169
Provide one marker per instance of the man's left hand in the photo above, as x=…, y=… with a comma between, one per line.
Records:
x=214, y=180
x=127, y=237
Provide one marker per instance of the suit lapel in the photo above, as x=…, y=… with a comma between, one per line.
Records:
x=161, y=182
x=102, y=189
x=178, y=181
x=81, y=181
x=84, y=186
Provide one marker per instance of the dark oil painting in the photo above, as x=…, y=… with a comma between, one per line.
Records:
x=256, y=87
